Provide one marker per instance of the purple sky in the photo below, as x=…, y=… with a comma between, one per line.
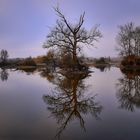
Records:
x=24, y=24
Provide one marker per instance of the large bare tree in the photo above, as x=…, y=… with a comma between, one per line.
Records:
x=69, y=38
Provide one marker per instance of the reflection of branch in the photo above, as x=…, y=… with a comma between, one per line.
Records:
x=64, y=110
x=129, y=92
x=4, y=75
x=64, y=124
x=69, y=102
x=126, y=102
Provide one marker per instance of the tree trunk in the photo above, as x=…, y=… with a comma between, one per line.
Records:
x=75, y=60
x=74, y=56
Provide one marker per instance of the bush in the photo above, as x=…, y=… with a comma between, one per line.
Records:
x=66, y=61
x=101, y=61
x=27, y=62
x=131, y=61
x=41, y=59
x=123, y=62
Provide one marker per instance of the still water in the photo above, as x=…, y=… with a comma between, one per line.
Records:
x=47, y=105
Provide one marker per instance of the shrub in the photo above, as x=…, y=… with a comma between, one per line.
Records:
x=131, y=61
x=27, y=62
x=101, y=61
x=41, y=59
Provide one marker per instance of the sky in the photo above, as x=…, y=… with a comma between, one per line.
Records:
x=24, y=24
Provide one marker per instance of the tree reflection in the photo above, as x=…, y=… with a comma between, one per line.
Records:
x=48, y=73
x=103, y=68
x=129, y=90
x=28, y=71
x=69, y=102
x=4, y=74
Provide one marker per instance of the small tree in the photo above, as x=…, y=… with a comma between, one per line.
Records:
x=3, y=56
x=70, y=38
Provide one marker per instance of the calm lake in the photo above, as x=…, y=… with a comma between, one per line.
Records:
x=46, y=105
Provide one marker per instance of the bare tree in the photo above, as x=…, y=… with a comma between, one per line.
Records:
x=129, y=40
x=70, y=38
x=3, y=55
x=136, y=37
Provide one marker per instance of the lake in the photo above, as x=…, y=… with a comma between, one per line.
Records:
x=46, y=105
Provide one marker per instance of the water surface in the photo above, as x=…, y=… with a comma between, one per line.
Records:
x=44, y=104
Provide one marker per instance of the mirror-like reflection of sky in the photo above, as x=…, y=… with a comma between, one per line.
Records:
x=25, y=114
